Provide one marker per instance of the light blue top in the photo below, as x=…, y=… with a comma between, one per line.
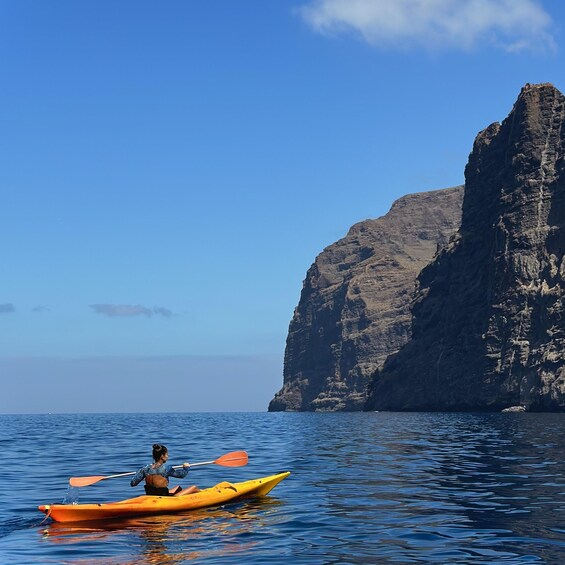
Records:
x=163, y=470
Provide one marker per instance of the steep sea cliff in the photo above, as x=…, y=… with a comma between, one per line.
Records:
x=455, y=299
x=354, y=310
x=488, y=329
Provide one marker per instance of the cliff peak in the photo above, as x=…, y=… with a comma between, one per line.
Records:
x=488, y=324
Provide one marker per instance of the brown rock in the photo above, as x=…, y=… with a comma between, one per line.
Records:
x=354, y=307
x=488, y=327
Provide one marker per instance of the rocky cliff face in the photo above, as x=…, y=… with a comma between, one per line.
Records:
x=488, y=327
x=354, y=307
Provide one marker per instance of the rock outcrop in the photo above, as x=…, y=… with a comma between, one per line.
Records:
x=354, y=310
x=488, y=328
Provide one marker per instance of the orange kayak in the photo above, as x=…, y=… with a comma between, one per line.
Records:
x=151, y=505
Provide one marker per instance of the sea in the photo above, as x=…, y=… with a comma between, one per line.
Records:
x=364, y=488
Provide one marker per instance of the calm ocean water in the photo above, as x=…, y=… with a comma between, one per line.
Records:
x=365, y=488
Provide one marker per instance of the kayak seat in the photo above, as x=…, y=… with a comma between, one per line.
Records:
x=157, y=491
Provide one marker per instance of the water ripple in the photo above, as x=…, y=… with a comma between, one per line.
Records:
x=365, y=488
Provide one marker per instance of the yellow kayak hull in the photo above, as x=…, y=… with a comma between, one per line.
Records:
x=152, y=505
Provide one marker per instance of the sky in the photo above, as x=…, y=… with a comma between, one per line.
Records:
x=169, y=172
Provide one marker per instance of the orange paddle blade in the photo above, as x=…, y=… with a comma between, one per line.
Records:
x=233, y=459
x=87, y=481
x=84, y=481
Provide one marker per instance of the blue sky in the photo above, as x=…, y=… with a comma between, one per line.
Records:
x=169, y=171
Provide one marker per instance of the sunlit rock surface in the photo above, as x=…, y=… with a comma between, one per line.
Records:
x=354, y=309
x=489, y=330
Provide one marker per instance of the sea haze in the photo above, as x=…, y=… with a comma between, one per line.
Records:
x=188, y=383
x=365, y=488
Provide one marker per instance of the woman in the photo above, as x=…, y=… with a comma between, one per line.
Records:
x=157, y=475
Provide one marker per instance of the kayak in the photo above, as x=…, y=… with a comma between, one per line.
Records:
x=150, y=505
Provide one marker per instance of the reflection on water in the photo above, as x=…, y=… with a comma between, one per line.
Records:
x=365, y=488
x=166, y=539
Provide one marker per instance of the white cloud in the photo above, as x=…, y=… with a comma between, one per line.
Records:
x=121, y=310
x=513, y=25
x=127, y=310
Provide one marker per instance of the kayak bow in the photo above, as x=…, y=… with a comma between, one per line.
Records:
x=150, y=505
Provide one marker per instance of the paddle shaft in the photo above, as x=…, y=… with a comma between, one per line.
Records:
x=235, y=459
x=134, y=472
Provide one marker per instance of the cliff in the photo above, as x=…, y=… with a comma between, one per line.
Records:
x=354, y=309
x=488, y=327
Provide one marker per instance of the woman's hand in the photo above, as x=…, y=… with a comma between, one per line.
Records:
x=186, y=465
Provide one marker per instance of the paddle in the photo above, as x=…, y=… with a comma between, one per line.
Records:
x=233, y=459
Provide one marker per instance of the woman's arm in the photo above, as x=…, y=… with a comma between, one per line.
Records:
x=139, y=476
x=178, y=473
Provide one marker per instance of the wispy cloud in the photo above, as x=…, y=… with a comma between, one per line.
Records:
x=127, y=311
x=159, y=310
x=40, y=309
x=512, y=25
x=7, y=308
